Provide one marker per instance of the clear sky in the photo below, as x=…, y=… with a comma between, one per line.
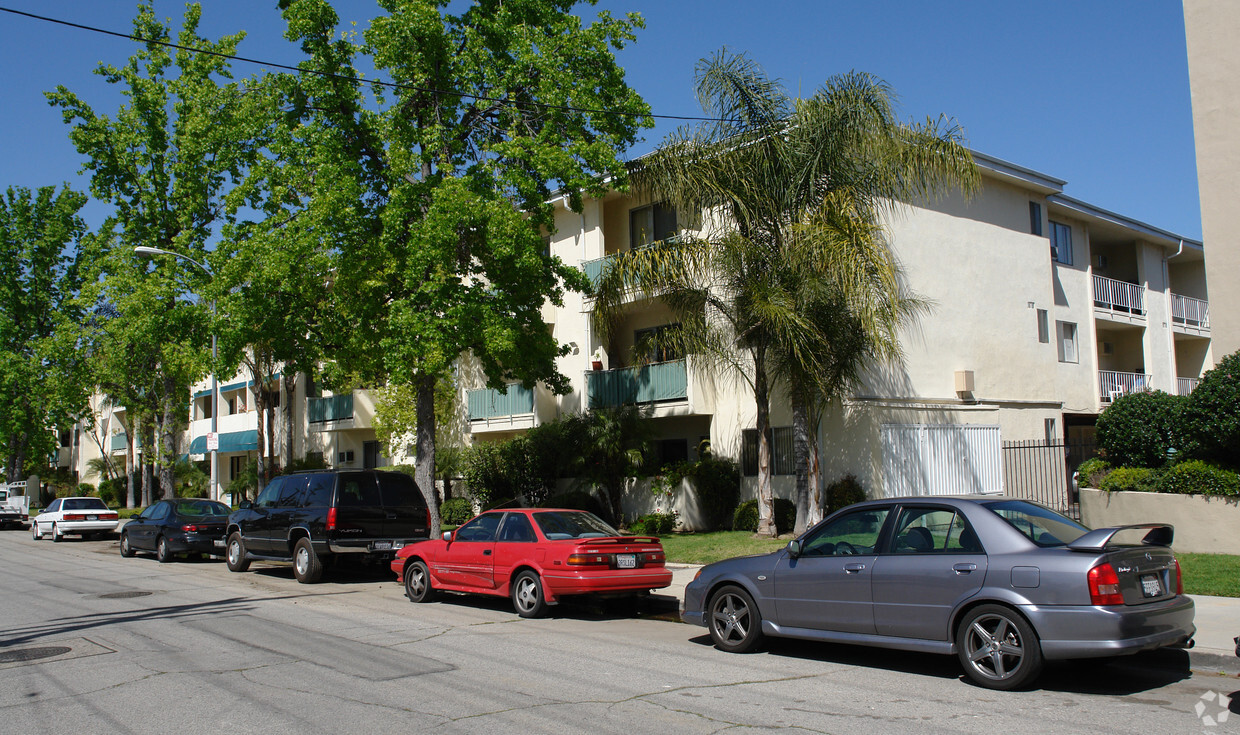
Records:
x=1094, y=92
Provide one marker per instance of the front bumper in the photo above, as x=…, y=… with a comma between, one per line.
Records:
x=1084, y=631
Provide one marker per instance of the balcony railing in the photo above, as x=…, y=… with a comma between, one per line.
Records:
x=489, y=403
x=594, y=268
x=1189, y=311
x=1118, y=295
x=654, y=383
x=1184, y=386
x=330, y=408
x=1113, y=384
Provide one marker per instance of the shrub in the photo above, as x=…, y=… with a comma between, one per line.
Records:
x=1140, y=479
x=576, y=500
x=716, y=483
x=655, y=524
x=456, y=511
x=1091, y=472
x=746, y=517
x=85, y=488
x=113, y=491
x=1198, y=477
x=844, y=491
x=1138, y=429
x=1211, y=420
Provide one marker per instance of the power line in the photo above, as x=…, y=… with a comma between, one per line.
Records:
x=345, y=77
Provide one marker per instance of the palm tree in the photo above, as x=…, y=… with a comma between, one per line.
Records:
x=791, y=195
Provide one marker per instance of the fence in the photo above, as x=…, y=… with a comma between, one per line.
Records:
x=1041, y=471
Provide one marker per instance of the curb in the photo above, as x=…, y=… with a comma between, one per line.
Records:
x=1213, y=662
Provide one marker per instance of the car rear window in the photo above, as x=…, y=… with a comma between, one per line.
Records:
x=558, y=525
x=1042, y=526
x=400, y=490
x=201, y=508
x=84, y=504
x=358, y=489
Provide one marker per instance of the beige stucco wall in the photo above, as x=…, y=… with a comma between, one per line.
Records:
x=1203, y=524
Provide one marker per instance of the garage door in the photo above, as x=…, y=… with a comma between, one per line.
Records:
x=924, y=459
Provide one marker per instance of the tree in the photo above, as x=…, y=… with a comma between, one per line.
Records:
x=433, y=195
x=611, y=445
x=41, y=369
x=1211, y=419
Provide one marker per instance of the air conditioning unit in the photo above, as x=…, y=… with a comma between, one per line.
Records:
x=344, y=457
x=1102, y=262
x=1108, y=348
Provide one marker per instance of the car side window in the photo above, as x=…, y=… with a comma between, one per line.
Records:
x=852, y=533
x=293, y=491
x=270, y=494
x=517, y=528
x=159, y=511
x=53, y=507
x=481, y=528
x=933, y=531
x=319, y=493
x=358, y=489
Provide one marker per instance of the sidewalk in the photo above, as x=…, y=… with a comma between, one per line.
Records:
x=1217, y=619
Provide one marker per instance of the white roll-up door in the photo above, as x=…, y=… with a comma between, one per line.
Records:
x=957, y=459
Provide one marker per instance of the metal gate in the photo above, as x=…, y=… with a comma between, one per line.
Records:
x=955, y=459
x=1042, y=471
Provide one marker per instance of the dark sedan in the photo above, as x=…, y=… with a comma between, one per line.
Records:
x=178, y=526
x=1002, y=583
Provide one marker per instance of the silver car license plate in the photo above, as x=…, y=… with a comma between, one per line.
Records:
x=626, y=561
x=92, y=518
x=1150, y=586
x=383, y=545
x=219, y=543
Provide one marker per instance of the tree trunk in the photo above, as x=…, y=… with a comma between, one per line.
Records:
x=816, y=511
x=801, y=449
x=766, y=499
x=425, y=463
x=130, y=474
x=260, y=409
x=166, y=455
x=148, y=467
x=290, y=390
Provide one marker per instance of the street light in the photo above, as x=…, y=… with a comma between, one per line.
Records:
x=215, y=393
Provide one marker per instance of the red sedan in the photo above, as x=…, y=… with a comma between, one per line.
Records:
x=536, y=556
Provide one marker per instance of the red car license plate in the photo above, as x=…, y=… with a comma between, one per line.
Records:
x=1150, y=586
x=626, y=561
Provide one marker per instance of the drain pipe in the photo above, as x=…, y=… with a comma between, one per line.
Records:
x=1175, y=368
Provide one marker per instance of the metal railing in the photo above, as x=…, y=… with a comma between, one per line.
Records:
x=1118, y=295
x=660, y=381
x=1112, y=384
x=1189, y=311
x=1184, y=386
x=489, y=403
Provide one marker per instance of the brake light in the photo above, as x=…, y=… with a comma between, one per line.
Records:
x=428, y=516
x=1179, y=578
x=190, y=528
x=580, y=560
x=1104, y=586
x=75, y=516
x=331, y=519
x=654, y=557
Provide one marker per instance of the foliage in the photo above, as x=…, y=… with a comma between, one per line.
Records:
x=488, y=474
x=85, y=488
x=312, y=461
x=456, y=511
x=576, y=500
x=1198, y=477
x=1137, y=429
x=1211, y=420
x=716, y=483
x=191, y=481
x=245, y=484
x=396, y=422
x=112, y=491
x=1092, y=471
x=1133, y=479
x=654, y=524
x=610, y=445
x=746, y=517
x=844, y=491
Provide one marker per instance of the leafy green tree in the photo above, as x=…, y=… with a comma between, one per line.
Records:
x=41, y=369
x=433, y=195
x=1211, y=418
x=1138, y=428
x=611, y=445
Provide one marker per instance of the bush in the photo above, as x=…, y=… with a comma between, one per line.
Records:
x=844, y=491
x=1138, y=429
x=655, y=524
x=85, y=488
x=716, y=483
x=576, y=500
x=1211, y=420
x=1092, y=471
x=746, y=517
x=113, y=491
x=456, y=511
x=1198, y=477
x=1139, y=479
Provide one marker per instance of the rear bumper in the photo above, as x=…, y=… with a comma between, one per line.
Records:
x=1083, y=631
x=197, y=543
x=561, y=584
x=85, y=526
x=374, y=546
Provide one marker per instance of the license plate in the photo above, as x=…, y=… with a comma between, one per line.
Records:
x=219, y=543
x=92, y=518
x=383, y=545
x=1150, y=586
x=626, y=561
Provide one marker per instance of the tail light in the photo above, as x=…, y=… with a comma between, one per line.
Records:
x=1104, y=586
x=1179, y=578
x=331, y=519
x=74, y=517
x=428, y=517
x=586, y=560
x=655, y=557
x=190, y=528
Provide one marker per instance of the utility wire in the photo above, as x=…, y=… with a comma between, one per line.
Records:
x=348, y=78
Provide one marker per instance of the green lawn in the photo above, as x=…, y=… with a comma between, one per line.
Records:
x=1204, y=574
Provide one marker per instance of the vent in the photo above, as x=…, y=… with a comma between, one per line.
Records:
x=1108, y=348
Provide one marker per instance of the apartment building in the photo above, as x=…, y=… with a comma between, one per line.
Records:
x=1045, y=309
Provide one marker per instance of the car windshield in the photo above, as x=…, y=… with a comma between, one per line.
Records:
x=1042, y=526
x=201, y=508
x=557, y=525
x=84, y=504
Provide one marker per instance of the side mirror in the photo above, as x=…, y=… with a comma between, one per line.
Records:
x=245, y=505
x=447, y=536
x=794, y=548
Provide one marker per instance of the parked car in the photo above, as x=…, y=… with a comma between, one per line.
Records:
x=178, y=526
x=1002, y=583
x=87, y=517
x=310, y=517
x=535, y=556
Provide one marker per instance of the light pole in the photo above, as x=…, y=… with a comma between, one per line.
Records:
x=213, y=439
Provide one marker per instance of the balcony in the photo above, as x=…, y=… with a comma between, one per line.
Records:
x=594, y=268
x=1187, y=311
x=1119, y=296
x=1114, y=384
x=654, y=383
x=339, y=412
x=489, y=403
x=1184, y=386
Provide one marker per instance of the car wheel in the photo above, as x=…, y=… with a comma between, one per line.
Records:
x=34, y=532
x=735, y=623
x=527, y=595
x=126, y=549
x=235, y=555
x=307, y=567
x=56, y=534
x=162, y=555
x=997, y=648
x=418, y=582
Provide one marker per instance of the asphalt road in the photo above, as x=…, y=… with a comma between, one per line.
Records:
x=93, y=643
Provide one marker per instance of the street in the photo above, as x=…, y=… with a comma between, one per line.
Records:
x=93, y=643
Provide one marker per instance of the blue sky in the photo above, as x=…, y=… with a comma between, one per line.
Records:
x=1093, y=92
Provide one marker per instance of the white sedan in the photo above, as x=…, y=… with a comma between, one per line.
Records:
x=85, y=516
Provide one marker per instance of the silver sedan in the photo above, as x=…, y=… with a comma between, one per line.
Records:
x=1004, y=584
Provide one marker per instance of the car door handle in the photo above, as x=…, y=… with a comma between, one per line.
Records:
x=486, y=552
x=853, y=568
x=964, y=568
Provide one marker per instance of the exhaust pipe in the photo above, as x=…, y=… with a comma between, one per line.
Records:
x=1191, y=642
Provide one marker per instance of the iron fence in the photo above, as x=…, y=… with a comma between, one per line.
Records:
x=1042, y=471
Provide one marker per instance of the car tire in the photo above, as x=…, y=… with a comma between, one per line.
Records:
x=34, y=532
x=998, y=648
x=527, y=595
x=234, y=555
x=126, y=549
x=307, y=567
x=162, y=555
x=734, y=621
x=56, y=537
x=418, y=582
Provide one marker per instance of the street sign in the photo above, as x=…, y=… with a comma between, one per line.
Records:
x=213, y=441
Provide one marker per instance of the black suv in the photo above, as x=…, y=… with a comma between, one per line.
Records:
x=308, y=517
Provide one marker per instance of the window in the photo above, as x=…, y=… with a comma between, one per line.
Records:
x=1044, y=326
x=358, y=489
x=651, y=223
x=1052, y=434
x=848, y=535
x=236, y=466
x=783, y=459
x=671, y=451
x=1035, y=218
x=270, y=494
x=66, y=436
x=650, y=345
x=294, y=492
x=1067, y=341
x=320, y=493
x=206, y=407
x=933, y=531
x=517, y=528
x=481, y=528
x=1061, y=243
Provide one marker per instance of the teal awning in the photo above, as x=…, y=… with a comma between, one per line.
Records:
x=236, y=441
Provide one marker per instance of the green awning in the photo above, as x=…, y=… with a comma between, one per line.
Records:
x=236, y=441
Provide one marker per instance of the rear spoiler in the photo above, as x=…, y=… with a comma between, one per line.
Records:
x=1160, y=534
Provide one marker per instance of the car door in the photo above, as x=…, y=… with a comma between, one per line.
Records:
x=468, y=560
x=143, y=530
x=827, y=586
x=934, y=563
x=258, y=529
x=288, y=511
x=514, y=544
x=359, y=507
